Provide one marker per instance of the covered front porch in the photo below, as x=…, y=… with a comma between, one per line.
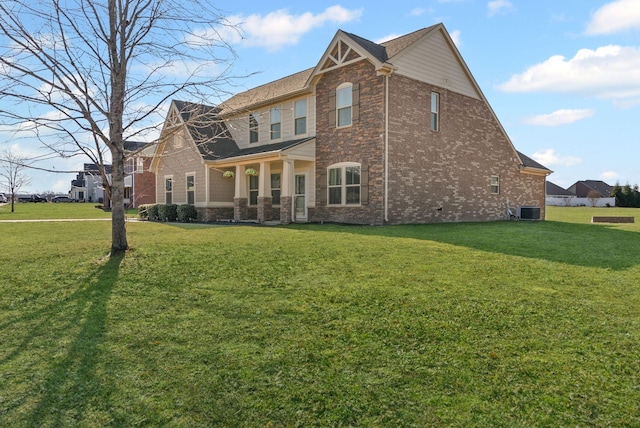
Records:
x=271, y=186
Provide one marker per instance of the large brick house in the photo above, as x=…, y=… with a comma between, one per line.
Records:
x=389, y=133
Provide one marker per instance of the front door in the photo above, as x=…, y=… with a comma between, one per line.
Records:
x=300, y=197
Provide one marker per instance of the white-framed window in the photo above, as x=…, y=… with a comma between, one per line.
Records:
x=254, y=182
x=435, y=111
x=344, y=100
x=254, y=120
x=139, y=165
x=300, y=116
x=495, y=184
x=275, y=121
x=168, y=190
x=191, y=188
x=343, y=184
x=275, y=189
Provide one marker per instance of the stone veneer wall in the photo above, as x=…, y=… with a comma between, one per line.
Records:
x=362, y=142
x=442, y=176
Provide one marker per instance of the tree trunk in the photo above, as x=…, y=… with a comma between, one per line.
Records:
x=118, y=218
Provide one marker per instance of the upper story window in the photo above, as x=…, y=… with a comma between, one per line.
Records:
x=274, y=119
x=140, y=165
x=253, y=127
x=435, y=111
x=344, y=100
x=495, y=184
x=344, y=184
x=300, y=116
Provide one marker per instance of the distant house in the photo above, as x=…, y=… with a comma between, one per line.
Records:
x=374, y=133
x=139, y=181
x=582, y=193
x=88, y=185
x=582, y=188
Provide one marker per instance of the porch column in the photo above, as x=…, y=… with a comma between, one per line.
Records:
x=240, y=199
x=264, y=192
x=286, y=192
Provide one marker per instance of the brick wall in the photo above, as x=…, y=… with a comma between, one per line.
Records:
x=362, y=142
x=441, y=176
x=145, y=185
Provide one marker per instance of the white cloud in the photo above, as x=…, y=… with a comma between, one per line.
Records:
x=560, y=117
x=609, y=175
x=418, y=11
x=549, y=157
x=499, y=6
x=276, y=29
x=456, y=37
x=387, y=38
x=609, y=72
x=615, y=17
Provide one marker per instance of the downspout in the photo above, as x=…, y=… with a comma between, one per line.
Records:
x=386, y=148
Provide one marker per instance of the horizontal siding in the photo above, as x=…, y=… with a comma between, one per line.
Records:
x=432, y=61
x=239, y=125
x=179, y=157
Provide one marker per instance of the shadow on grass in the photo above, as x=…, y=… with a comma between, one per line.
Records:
x=71, y=372
x=585, y=245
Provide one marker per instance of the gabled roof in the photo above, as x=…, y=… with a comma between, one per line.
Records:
x=552, y=189
x=527, y=162
x=599, y=186
x=208, y=131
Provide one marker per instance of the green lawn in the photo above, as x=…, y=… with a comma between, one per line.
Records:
x=49, y=210
x=489, y=324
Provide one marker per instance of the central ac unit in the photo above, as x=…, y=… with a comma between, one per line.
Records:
x=528, y=213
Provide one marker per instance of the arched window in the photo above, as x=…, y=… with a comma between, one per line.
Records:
x=344, y=184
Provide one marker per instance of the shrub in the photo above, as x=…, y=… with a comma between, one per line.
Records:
x=152, y=212
x=143, y=211
x=168, y=212
x=187, y=213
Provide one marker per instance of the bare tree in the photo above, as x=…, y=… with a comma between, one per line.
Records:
x=84, y=75
x=12, y=174
x=593, y=196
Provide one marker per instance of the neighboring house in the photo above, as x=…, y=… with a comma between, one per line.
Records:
x=581, y=193
x=139, y=181
x=397, y=132
x=88, y=186
x=582, y=188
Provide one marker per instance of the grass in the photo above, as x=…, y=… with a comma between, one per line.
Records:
x=41, y=211
x=492, y=324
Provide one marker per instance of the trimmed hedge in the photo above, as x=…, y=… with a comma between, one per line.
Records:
x=143, y=211
x=167, y=212
x=187, y=213
x=152, y=212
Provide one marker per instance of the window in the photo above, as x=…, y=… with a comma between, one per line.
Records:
x=343, y=104
x=139, y=165
x=253, y=127
x=191, y=189
x=344, y=184
x=300, y=114
x=435, y=111
x=274, y=116
x=254, y=180
x=168, y=190
x=495, y=184
x=275, y=189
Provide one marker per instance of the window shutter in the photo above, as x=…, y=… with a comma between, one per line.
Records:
x=355, y=102
x=332, y=109
x=364, y=185
x=322, y=188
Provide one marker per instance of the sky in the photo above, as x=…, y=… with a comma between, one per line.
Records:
x=563, y=76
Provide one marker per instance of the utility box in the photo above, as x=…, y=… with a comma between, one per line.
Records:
x=528, y=213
